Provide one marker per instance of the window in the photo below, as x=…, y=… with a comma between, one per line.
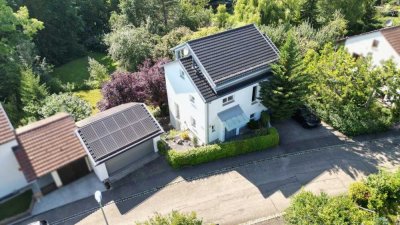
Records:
x=191, y=99
x=182, y=74
x=212, y=128
x=177, y=111
x=252, y=116
x=254, y=94
x=227, y=100
x=192, y=122
x=375, y=43
x=182, y=53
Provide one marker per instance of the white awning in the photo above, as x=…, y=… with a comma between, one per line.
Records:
x=233, y=118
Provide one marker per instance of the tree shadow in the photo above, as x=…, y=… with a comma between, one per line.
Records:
x=285, y=169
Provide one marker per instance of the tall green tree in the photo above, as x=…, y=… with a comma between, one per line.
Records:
x=309, y=12
x=59, y=42
x=95, y=15
x=287, y=89
x=220, y=19
x=130, y=46
x=32, y=93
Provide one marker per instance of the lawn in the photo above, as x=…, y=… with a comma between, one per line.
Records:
x=16, y=205
x=92, y=96
x=76, y=71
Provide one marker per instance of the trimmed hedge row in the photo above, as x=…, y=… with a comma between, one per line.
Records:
x=208, y=153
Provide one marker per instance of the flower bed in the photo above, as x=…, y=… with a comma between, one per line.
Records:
x=208, y=153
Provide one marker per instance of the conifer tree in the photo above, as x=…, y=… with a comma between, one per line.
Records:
x=286, y=90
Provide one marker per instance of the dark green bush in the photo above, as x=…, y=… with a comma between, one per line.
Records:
x=195, y=156
x=162, y=147
x=253, y=124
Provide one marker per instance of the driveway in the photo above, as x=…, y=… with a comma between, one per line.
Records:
x=258, y=185
x=79, y=189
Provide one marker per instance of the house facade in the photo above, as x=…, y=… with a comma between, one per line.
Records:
x=213, y=85
x=381, y=45
x=119, y=140
x=11, y=175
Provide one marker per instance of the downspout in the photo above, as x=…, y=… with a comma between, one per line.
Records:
x=207, y=124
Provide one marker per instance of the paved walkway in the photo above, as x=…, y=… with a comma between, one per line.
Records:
x=82, y=188
x=259, y=185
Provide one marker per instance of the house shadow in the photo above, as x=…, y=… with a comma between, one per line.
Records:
x=301, y=160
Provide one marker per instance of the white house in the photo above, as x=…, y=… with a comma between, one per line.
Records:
x=11, y=176
x=213, y=85
x=119, y=140
x=381, y=45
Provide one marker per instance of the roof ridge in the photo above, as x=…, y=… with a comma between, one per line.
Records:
x=106, y=113
x=220, y=33
x=41, y=123
x=370, y=32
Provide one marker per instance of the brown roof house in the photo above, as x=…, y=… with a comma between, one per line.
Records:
x=11, y=177
x=381, y=45
x=50, y=154
x=120, y=140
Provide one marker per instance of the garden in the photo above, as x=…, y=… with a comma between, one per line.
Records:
x=372, y=201
x=181, y=148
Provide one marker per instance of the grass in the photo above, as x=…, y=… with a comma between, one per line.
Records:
x=16, y=205
x=76, y=71
x=92, y=96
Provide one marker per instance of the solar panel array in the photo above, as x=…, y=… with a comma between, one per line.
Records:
x=117, y=131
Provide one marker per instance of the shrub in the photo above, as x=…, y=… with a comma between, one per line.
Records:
x=185, y=135
x=360, y=193
x=174, y=218
x=162, y=147
x=265, y=119
x=253, y=124
x=208, y=153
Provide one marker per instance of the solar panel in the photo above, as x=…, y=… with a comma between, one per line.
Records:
x=118, y=129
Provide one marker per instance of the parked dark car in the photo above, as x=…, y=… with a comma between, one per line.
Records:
x=306, y=117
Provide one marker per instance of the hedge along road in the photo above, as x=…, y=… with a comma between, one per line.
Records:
x=259, y=188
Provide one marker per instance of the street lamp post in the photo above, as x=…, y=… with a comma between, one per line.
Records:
x=98, y=197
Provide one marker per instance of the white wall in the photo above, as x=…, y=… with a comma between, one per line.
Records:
x=101, y=171
x=362, y=45
x=179, y=90
x=11, y=177
x=242, y=97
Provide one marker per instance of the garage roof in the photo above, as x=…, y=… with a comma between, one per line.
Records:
x=6, y=129
x=115, y=130
x=48, y=145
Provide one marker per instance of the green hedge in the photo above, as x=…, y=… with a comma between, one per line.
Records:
x=208, y=153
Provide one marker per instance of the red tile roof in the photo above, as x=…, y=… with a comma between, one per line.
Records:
x=6, y=129
x=48, y=145
x=392, y=35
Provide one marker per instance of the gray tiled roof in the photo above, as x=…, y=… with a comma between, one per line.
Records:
x=233, y=53
x=206, y=90
x=111, y=132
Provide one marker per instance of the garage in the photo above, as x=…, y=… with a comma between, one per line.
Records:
x=130, y=156
x=73, y=171
x=120, y=140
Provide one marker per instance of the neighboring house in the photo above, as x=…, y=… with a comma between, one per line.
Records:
x=213, y=85
x=50, y=154
x=119, y=140
x=11, y=177
x=381, y=45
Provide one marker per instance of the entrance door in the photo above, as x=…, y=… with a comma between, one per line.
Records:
x=73, y=171
x=230, y=134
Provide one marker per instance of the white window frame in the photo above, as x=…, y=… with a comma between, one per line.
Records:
x=182, y=74
x=228, y=100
